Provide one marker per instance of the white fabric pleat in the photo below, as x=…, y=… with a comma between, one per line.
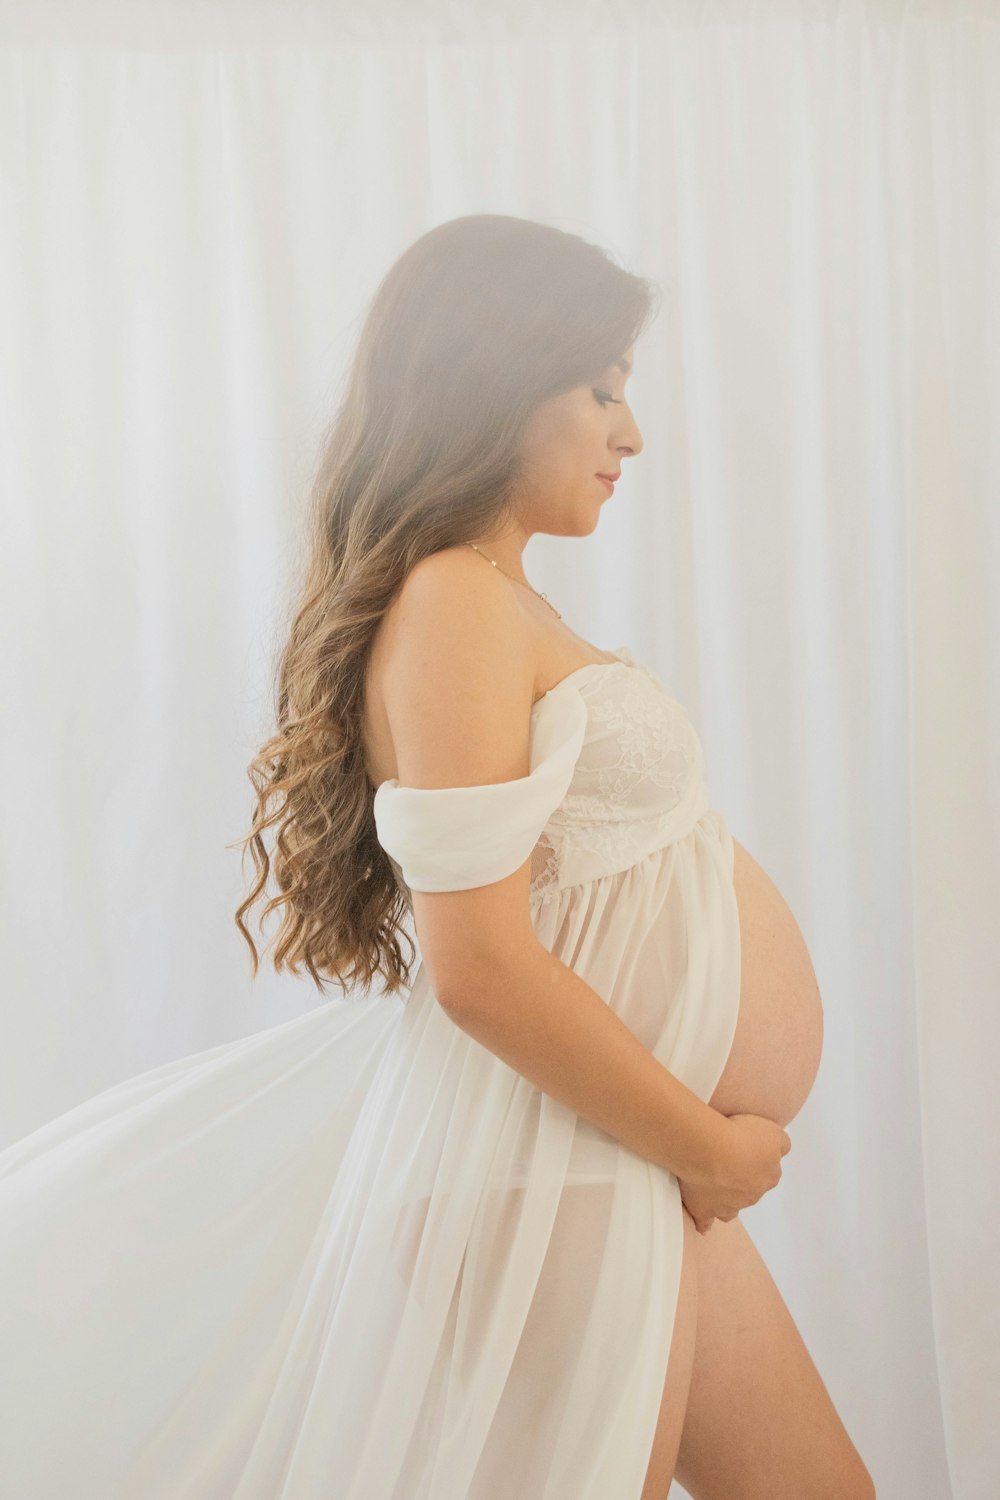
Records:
x=358, y=1254
x=454, y=838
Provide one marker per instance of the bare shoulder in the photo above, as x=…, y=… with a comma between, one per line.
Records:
x=454, y=672
x=457, y=684
x=457, y=579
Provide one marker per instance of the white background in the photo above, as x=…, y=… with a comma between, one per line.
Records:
x=197, y=201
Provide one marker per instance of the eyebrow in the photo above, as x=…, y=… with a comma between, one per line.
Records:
x=625, y=365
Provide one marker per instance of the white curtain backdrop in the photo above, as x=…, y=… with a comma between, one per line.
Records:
x=197, y=201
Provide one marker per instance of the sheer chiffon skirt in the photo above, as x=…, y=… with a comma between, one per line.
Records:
x=357, y=1254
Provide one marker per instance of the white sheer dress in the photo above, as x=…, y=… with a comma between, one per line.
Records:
x=357, y=1255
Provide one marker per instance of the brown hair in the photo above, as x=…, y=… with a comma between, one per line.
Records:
x=477, y=322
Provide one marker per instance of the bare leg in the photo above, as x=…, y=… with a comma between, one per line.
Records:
x=669, y=1423
x=760, y=1423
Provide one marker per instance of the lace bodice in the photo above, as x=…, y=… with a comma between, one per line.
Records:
x=617, y=772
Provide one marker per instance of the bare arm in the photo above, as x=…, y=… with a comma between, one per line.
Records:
x=457, y=687
x=546, y=1022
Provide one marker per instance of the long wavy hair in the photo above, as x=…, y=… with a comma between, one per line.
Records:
x=479, y=321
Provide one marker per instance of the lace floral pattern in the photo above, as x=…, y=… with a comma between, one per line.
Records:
x=638, y=781
x=637, y=784
x=544, y=870
x=635, y=737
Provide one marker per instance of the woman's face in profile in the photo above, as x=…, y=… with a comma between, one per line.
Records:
x=570, y=440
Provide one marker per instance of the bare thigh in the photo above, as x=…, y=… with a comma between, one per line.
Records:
x=666, y=1439
x=759, y=1423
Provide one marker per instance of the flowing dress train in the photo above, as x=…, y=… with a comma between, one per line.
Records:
x=357, y=1254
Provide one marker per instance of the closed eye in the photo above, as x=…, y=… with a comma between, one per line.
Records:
x=605, y=396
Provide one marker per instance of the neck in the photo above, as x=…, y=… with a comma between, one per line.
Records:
x=506, y=553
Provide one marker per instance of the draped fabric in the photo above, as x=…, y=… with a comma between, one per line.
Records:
x=197, y=201
x=358, y=1253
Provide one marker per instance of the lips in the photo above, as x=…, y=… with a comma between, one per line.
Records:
x=610, y=477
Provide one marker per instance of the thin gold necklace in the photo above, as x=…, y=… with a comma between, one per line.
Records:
x=515, y=580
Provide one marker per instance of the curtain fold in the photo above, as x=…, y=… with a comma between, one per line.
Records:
x=196, y=204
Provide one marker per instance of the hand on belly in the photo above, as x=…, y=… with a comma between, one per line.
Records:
x=776, y=1050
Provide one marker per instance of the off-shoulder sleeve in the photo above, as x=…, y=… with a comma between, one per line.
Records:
x=453, y=838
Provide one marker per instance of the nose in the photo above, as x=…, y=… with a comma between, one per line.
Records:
x=633, y=438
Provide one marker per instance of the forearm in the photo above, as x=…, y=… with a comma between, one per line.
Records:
x=546, y=1022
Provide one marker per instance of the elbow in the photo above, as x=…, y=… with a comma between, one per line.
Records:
x=460, y=991
x=476, y=987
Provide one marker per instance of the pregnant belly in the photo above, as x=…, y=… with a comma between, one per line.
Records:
x=776, y=1050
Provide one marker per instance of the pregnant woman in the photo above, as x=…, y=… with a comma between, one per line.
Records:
x=476, y=1237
